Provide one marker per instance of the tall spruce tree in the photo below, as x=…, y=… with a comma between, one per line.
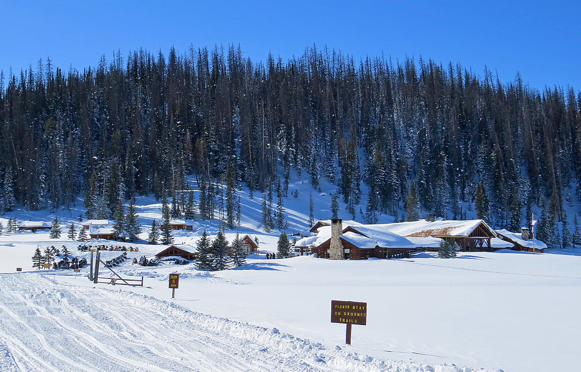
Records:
x=132, y=226
x=37, y=259
x=119, y=225
x=283, y=246
x=311, y=209
x=219, y=252
x=576, y=233
x=72, y=232
x=205, y=259
x=153, y=236
x=412, y=204
x=334, y=205
x=82, y=235
x=237, y=252
x=55, y=230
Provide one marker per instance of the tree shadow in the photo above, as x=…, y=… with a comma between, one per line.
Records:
x=261, y=266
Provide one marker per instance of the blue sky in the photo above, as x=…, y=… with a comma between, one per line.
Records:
x=540, y=39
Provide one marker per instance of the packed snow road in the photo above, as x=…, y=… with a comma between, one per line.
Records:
x=47, y=326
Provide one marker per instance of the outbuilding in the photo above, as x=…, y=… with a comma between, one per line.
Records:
x=184, y=251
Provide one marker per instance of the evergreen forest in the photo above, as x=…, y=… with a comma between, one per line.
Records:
x=409, y=134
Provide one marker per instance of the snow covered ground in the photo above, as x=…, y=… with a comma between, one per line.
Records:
x=505, y=310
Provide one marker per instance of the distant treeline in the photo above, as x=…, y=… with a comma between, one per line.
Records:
x=438, y=136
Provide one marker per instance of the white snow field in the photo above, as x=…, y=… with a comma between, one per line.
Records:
x=504, y=310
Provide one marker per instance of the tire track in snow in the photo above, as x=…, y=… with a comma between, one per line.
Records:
x=49, y=326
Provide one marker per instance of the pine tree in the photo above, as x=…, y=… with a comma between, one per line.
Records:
x=48, y=255
x=266, y=218
x=10, y=226
x=577, y=233
x=311, y=210
x=55, y=230
x=175, y=209
x=219, y=252
x=448, y=249
x=335, y=205
x=14, y=225
x=204, y=261
x=153, y=237
x=9, y=199
x=280, y=210
x=82, y=235
x=239, y=211
x=481, y=201
x=37, y=259
x=237, y=252
x=72, y=232
x=283, y=246
x=412, y=204
x=515, y=207
x=90, y=195
x=204, y=213
x=119, y=226
x=132, y=227
x=231, y=198
x=567, y=236
x=190, y=207
x=166, y=237
x=1, y=228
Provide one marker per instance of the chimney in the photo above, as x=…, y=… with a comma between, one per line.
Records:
x=525, y=233
x=336, y=248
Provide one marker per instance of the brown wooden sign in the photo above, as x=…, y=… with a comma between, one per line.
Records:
x=174, y=280
x=47, y=266
x=19, y=269
x=349, y=312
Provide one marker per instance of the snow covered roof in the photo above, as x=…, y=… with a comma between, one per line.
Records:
x=95, y=222
x=34, y=224
x=359, y=240
x=384, y=238
x=517, y=239
x=186, y=247
x=95, y=230
x=425, y=242
x=498, y=243
x=439, y=228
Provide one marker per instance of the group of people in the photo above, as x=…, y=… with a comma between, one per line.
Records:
x=270, y=256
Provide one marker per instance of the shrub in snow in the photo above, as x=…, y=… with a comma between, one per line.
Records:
x=448, y=249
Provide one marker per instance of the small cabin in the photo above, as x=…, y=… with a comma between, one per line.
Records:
x=94, y=223
x=184, y=251
x=522, y=241
x=248, y=245
x=34, y=225
x=179, y=225
x=106, y=233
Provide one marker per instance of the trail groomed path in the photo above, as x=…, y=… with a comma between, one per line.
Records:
x=48, y=326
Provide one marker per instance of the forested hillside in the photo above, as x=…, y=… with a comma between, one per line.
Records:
x=420, y=135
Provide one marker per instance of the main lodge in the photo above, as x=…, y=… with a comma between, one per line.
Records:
x=352, y=240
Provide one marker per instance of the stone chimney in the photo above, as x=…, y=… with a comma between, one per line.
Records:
x=525, y=233
x=336, y=248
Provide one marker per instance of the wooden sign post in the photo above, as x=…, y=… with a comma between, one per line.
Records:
x=174, y=282
x=349, y=313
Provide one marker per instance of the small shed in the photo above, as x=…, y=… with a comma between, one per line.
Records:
x=34, y=225
x=107, y=233
x=520, y=244
x=94, y=223
x=184, y=251
x=248, y=245
x=179, y=225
